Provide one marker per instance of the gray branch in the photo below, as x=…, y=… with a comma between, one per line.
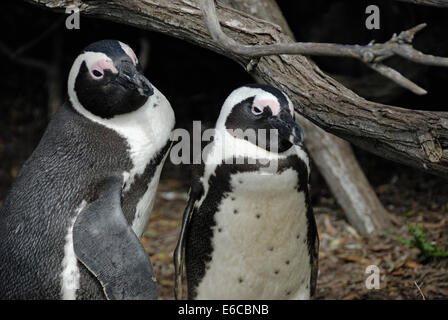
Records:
x=371, y=54
x=435, y=3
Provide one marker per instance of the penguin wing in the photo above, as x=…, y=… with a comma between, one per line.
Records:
x=196, y=192
x=105, y=243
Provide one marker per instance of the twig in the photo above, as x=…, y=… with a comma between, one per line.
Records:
x=371, y=54
x=17, y=55
x=38, y=39
x=436, y=3
x=29, y=62
x=423, y=296
x=390, y=73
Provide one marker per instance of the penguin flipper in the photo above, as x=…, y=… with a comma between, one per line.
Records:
x=105, y=243
x=195, y=194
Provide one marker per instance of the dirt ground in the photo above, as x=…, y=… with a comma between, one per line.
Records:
x=344, y=255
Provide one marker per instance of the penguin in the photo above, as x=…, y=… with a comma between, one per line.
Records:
x=71, y=222
x=248, y=230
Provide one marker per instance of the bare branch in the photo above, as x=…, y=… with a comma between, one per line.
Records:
x=397, y=77
x=435, y=3
x=370, y=54
x=25, y=47
x=29, y=62
x=419, y=290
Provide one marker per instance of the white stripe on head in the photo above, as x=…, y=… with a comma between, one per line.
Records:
x=129, y=52
x=291, y=106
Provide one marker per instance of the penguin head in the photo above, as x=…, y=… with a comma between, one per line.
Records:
x=256, y=107
x=106, y=80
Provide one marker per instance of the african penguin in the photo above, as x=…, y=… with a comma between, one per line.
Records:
x=249, y=232
x=71, y=223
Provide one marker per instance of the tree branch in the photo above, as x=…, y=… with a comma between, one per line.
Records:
x=417, y=138
x=436, y=3
x=371, y=54
x=26, y=61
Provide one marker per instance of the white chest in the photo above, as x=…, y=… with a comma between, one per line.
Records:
x=259, y=248
x=146, y=203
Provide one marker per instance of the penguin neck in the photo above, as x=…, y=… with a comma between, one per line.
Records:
x=146, y=130
x=227, y=146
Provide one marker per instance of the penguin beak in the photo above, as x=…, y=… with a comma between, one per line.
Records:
x=287, y=128
x=136, y=81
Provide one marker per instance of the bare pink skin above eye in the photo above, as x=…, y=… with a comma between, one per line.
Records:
x=102, y=65
x=271, y=103
x=132, y=55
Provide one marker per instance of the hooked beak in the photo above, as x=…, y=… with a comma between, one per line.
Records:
x=287, y=128
x=136, y=81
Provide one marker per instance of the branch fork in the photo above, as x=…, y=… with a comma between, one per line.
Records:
x=372, y=54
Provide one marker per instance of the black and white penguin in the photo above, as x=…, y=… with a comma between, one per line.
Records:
x=249, y=232
x=71, y=223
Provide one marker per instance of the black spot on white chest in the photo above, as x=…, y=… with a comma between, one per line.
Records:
x=255, y=249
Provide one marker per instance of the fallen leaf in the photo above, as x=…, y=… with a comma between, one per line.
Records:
x=14, y=171
x=398, y=272
x=167, y=283
x=380, y=247
x=336, y=242
x=330, y=229
x=159, y=256
x=354, y=259
x=351, y=296
x=411, y=264
x=150, y=233
x=352, y=231
x=168, y=223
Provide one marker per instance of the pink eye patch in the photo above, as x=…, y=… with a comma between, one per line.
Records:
x=271, y=103
x=132, y=55
x=97, y=69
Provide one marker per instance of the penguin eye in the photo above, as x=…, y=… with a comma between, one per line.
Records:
x=97, y=74
x=256, y=111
